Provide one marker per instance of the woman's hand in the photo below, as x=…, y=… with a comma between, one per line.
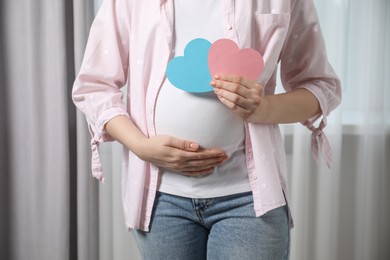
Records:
x=174, y=154
x=177, y=155
x=247, y=99
x=243, y=96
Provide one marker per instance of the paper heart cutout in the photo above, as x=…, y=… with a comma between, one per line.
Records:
x=225, y=57
x=190, y=72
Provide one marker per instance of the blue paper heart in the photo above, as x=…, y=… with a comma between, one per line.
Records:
x=191, y=72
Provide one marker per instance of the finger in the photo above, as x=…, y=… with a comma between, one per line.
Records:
x=236, y=108
x=221, y=86
x=233, y=99
x=237, y=80
x=204, y=167
x=198, y=173
x=200, y=154
x=246, y=88
x=182, y=144
x=205, y=163
x=194, y=165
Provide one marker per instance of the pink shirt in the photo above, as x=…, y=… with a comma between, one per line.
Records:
x=131, y=42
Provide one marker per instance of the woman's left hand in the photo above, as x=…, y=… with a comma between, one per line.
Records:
x=243, y=96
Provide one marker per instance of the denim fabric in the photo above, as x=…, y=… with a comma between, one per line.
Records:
x=216, y=228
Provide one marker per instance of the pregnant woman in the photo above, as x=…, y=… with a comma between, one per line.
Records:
x=204, y=173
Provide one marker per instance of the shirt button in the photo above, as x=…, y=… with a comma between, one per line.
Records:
x=229, y=27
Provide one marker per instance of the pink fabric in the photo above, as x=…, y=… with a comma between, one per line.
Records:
x=131, y=42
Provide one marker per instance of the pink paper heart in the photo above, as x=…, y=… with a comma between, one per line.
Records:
x=225, y=57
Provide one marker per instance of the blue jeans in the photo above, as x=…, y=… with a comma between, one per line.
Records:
x=217, y=228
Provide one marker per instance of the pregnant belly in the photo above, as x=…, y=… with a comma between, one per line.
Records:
x=200, y=118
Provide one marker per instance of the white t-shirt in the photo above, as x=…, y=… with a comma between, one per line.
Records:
x=201, y=117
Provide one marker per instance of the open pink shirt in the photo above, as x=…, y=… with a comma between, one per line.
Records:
x=131, y=42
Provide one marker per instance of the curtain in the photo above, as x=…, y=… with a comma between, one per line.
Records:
x=51, y=207
x=344, y=213
x=87, y=188
x=38, y=193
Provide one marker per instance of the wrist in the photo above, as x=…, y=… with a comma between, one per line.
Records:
x=264, y=112
x=137, y=145
x=291, y=107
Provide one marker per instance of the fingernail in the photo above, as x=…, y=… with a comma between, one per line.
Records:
x=193, y=146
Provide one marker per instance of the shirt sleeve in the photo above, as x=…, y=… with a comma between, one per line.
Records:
x=97, y=88
x=304, y=64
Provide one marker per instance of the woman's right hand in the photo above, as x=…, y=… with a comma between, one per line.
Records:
x=174, y=154
x=178, y=155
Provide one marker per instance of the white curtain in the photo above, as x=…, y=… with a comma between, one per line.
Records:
x=37, y=191
x=339, y=214
x=344, y=213
x=88, y=231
